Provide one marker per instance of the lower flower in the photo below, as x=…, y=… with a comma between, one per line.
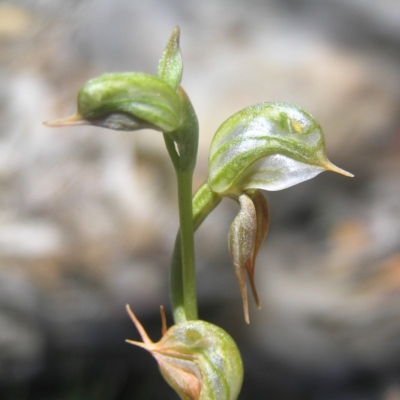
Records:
x=199, y=360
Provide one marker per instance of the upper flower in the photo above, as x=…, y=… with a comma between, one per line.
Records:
x=269, y=146
x=126, y=101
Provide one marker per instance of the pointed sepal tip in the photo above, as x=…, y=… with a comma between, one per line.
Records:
x=73, y=120
x=332, y=167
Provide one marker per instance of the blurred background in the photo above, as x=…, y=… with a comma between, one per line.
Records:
x=88, y=216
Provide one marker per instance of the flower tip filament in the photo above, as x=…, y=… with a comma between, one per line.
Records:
x=139, y=327
x=73, y=120
x=163, y=321
x=135, y=343
x=332, y=167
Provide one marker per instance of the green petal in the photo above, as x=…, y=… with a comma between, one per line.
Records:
x=135, y=100
x=267, y=146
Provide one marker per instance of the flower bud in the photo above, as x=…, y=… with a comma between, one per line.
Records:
x=199, y=360
x=126, y=101
x=268, y=146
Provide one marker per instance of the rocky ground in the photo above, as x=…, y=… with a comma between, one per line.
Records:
x=88, y=216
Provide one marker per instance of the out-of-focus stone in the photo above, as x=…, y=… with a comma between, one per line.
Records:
x=29, y=239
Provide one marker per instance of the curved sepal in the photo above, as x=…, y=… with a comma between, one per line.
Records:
x=127, y=102
x=242, y=235
x=262, y=217
x=199, y=360
x=268, y=146
x=170, y=66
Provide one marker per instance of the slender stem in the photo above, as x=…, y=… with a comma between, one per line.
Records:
x=188, y=273
x=176, y=282
x=183, y=154
x=204, y=201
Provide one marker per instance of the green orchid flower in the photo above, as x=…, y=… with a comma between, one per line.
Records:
x=126, y=101
x=268, y=146
x=199, y=360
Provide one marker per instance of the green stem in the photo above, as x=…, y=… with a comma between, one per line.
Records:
x=183, y=155
x=176, y=283
x=188, y=272
x=191, y=214
x=204, y=201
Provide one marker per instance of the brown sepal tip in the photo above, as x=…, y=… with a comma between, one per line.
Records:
x=73, y=120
